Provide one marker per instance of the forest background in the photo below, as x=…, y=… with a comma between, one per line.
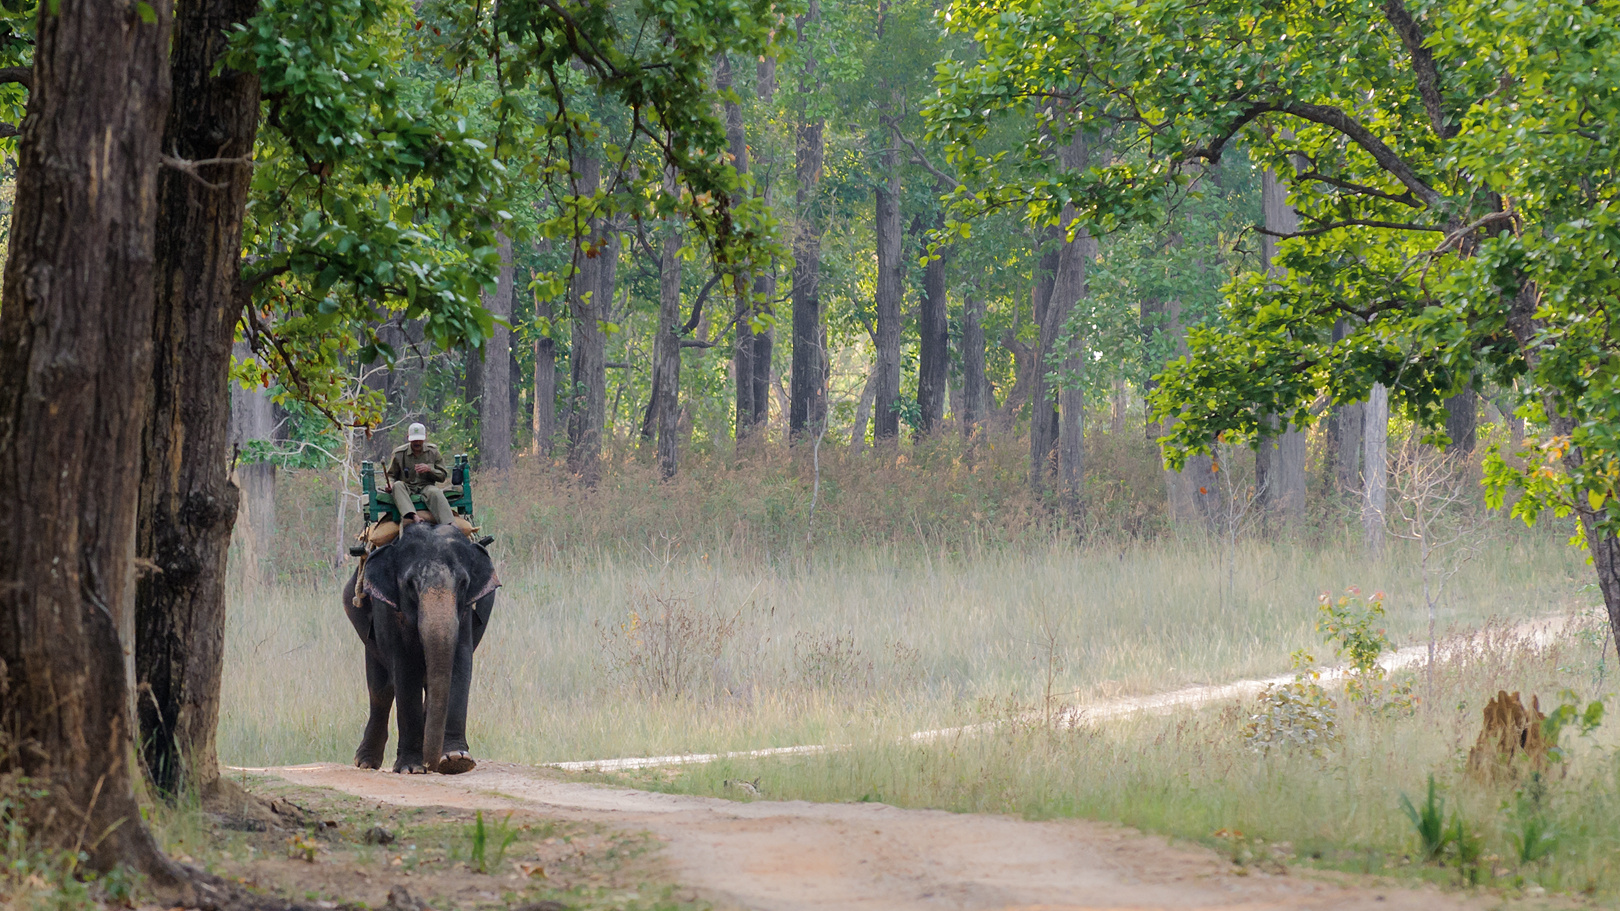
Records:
x=723, y=292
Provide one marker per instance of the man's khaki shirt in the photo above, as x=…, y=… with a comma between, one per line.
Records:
x=402, y=466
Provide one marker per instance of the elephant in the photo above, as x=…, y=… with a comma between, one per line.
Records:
x=424, y=602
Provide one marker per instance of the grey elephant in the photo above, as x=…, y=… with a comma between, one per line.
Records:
x=424, y=603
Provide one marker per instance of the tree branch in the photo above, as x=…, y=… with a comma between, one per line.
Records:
x=919, y=158
x=697, y=306
x=1350, y=223
x=1406, y=199
x=1428, y=76
x=21, y=75
x=1385, y=156
x=8, y=130
x=189, y=167
x=1211, y=151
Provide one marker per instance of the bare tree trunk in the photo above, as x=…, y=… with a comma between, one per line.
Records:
x=76, y=331
x=188, y=503
x=743, y=345
x=1043, y=412
x=1375, y=474
x=1462, y=421
x=495, y=417
x=1280, y=470
x=886, y=426
x=807, y=373
x=666, y=380
x=934, y=353
x=765, y=281
x=974, y=384
x=590, y=295
x=1056, y=350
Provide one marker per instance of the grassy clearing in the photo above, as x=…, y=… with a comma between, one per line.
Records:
x=845, y=643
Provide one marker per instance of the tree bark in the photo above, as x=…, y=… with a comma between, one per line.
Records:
x=1280, y=460
x=1462, y=421
x=495, y=417
x=1043, y=415
x=1375, y=473
x=1054, y=431
x=765, y=281
x=743, y=345
x=863, y=412
x=666, y=380
x=1194, y=491
x=1067, y=291
x=188, y=503
x=807, y=408
x=974, y=384
x=934, y=353
x=587, y=354
x=886, y=420
x=75, y=368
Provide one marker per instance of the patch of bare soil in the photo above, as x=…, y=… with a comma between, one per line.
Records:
x=797, y=856
x=334, y=850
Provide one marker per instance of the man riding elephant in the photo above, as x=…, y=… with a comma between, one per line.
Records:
x=418, y=469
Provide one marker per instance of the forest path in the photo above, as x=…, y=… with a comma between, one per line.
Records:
x=768, y=855
x=797, y=856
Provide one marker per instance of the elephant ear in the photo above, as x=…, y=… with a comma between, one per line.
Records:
x=382, y=579
x=481, y=581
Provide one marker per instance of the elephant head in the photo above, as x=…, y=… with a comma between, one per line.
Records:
x=424, y=602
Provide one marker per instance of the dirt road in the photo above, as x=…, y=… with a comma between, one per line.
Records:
x=796, y=856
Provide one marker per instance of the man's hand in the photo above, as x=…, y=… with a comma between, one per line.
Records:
x=423, y=468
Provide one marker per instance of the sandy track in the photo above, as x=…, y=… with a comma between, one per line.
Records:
x=797, y=856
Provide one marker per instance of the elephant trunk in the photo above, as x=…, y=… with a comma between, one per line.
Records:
x=437, y=625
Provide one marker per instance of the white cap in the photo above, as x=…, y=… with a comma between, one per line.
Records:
x=416, y=432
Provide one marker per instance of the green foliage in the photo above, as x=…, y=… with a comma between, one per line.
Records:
x=1569, y=713
x=1532, y=833
x=1429, y=821
x=1296, y=716
x=1351, y=624
x=481, y=839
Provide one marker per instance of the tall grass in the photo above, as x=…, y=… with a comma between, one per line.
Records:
x=833, y=641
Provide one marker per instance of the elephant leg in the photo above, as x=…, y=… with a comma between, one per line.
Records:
x=457, y=758
x=380, y=685
x=408, y=698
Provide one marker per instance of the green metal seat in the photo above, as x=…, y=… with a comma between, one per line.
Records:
x=380, y=504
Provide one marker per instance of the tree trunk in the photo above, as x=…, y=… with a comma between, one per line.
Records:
x=934, y=353
x=188, y=503
x=495, y=417
x=1067, y=291
x=1375, y=473
x=1043, y=419
x=1462, y=421
x=1280, y=469
x=807, y=383
x=765, y=281
x=75, y=368
x=886, y=426
x=666, y=381
x=1051, y=433
x=743, y=344
x=974, y=384
x=587, y=354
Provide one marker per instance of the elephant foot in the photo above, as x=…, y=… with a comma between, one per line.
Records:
x=410, y=768
x=454, y=763
x=363, y=763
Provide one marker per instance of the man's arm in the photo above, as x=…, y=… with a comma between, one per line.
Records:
x=438, y=473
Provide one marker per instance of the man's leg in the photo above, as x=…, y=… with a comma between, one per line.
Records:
x=437, y=504
x=401, y=499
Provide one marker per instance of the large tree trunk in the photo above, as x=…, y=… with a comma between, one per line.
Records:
x=934, y=353
x=188, y=502
x=1280, y=465
x=589, y=295
x=807, y=406
x=743, y=345
x=765, y=281
x=75, y=367
x=1067, y=291
x=974, y=385
x=1193, y=492
x=886, y=427
x=495, y=417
